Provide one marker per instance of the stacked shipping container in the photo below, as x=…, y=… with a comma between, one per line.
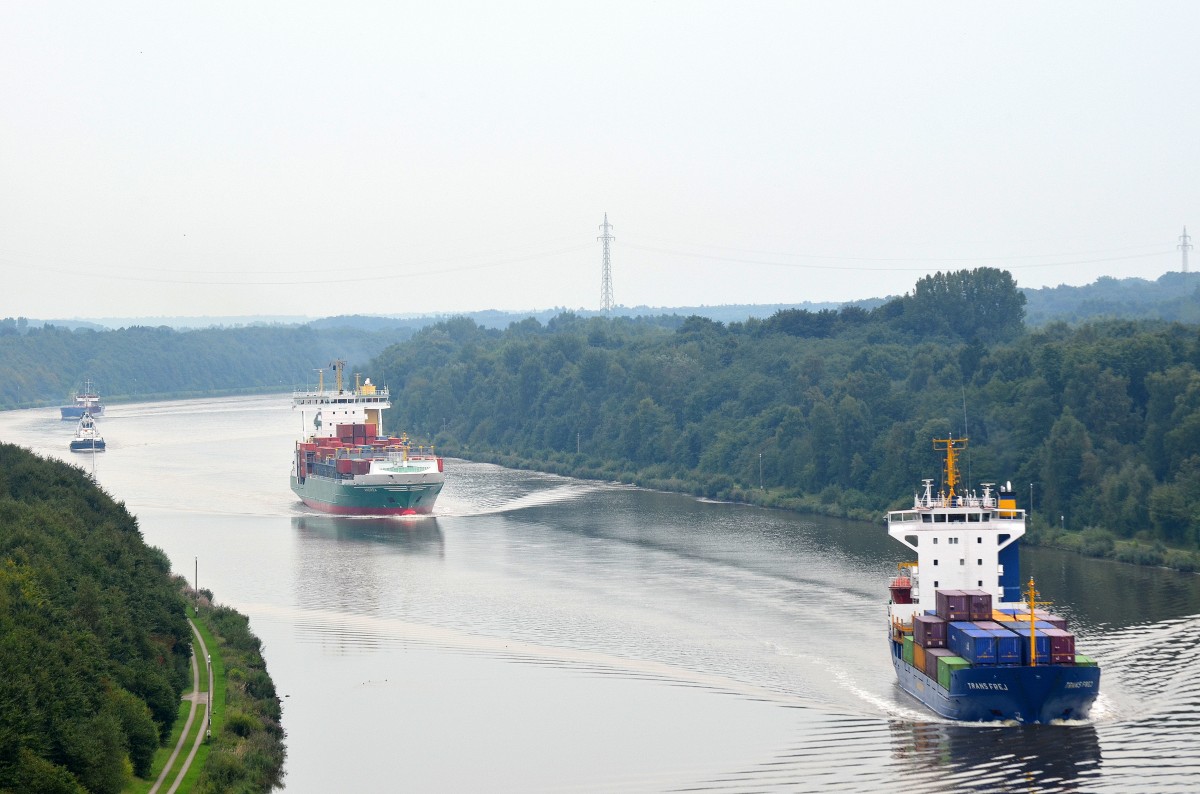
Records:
x=965, y=631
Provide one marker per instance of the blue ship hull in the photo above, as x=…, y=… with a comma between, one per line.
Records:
x=989, y=693
x=77, y=411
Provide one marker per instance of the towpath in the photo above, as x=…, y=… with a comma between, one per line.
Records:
x=197, y=698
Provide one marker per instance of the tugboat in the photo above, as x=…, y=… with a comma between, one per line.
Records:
x=345, y=467
x=87, y=436
x=86, y=402
x=964, y=639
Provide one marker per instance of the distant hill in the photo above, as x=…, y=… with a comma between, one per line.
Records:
x=1174, y=297
x=495, y=318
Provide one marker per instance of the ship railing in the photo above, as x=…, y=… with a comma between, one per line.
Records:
x=379, y=396
x=900, y=628
x=941, y=501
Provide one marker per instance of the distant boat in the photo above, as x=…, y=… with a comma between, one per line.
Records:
x=86, y=402
x=87, y=436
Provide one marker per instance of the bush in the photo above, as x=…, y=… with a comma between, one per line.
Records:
x=1138, y=554
x=1180, y=560
x=36, y=775
x=1097, y=542
x=241, y=723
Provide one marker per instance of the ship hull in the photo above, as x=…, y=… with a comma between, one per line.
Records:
x=990, y=693
x=344, y=497
x=77, y=411
x=87, y=446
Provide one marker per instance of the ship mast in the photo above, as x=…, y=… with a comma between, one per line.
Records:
x=951, y=467
x=338, y=365
x=1033, y=623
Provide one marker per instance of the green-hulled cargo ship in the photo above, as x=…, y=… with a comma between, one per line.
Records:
x=345, y=467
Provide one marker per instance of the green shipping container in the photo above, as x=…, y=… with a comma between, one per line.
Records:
x=1084, y=661
x=908, y=649
x=946, y=666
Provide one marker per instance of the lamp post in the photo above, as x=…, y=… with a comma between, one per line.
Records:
x=760, y=484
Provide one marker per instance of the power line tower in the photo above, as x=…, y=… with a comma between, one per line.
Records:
x=1185, y=245
x=606, y=296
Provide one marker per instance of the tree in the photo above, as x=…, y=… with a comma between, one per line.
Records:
x=1064, y=458
x=981, y=303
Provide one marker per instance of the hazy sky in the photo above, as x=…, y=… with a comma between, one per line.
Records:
x=233, y=158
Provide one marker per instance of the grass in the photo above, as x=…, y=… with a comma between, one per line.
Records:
x=141, y=786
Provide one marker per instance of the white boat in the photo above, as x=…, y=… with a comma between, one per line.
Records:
x=87, y=436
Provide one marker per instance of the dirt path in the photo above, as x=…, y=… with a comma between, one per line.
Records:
x=196, y=697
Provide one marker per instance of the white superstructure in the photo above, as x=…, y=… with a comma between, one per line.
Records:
x=960, y=541
x=364, y=405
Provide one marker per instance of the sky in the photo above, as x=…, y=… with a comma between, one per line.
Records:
x=314, y=159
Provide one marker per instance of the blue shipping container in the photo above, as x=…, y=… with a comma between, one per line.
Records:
x=977, y=646
x=1008, y=646
x=1043, y=646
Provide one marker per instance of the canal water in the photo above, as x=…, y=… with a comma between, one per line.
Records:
x=544, y=634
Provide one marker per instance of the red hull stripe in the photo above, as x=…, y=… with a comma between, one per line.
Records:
x=342, y=510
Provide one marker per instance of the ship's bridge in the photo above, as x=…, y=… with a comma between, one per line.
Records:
x=364, y=404
x=962, y=542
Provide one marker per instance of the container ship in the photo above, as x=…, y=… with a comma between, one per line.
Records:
x=86, y=401
x=343, y=466
x=966, y=639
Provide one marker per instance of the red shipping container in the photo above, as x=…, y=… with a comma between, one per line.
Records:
x=343, y=465
x=929, y=631
x=980, y=605
x=953, y=605
x=1062, y=646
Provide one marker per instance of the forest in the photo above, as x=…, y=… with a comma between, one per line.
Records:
x=94, y=645
x=47, y=365
x=1097, y=426
x=830, y=410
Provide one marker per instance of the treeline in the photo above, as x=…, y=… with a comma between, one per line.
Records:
x=1173, y=297
x=833, y=411
x=45, y=366
x=247, y=754
x=94, y=644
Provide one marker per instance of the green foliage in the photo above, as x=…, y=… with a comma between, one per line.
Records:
x=832, y=411
x=33, y=774
x=241, y=723
x=968, y=304
x=248, y=752
x=1173, y=297
x=47, y=365
x=1096, y=542
x=93, y=639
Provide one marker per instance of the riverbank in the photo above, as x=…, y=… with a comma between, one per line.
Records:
x=1090, y=542
x=239, y=745
x=246, y=751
